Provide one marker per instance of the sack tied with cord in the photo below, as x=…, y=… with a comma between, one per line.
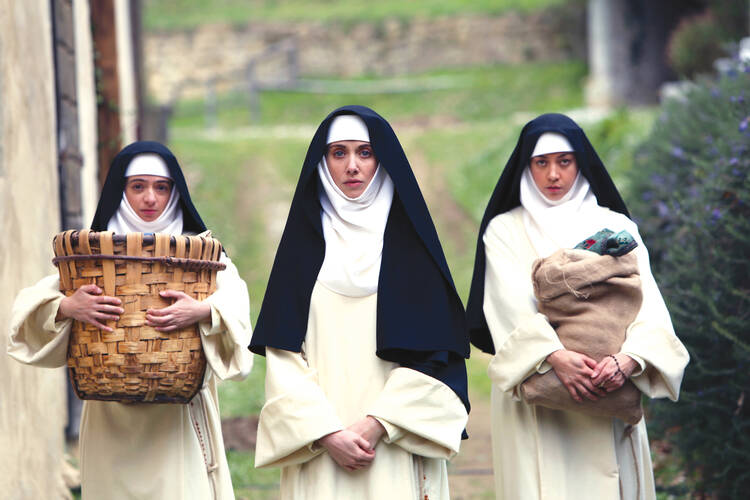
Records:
x=590, y=295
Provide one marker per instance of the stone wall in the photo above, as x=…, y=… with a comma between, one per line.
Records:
x=179, y=63
x=32, y=404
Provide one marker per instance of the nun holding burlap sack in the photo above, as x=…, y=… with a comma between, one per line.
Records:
x=135, y=450
x=577, y=334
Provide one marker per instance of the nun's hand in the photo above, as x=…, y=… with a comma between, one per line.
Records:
x=184, y=312
x=574, y=371
x=612, y=371
x=370, y=429
x=348, y=449
x=88, y=304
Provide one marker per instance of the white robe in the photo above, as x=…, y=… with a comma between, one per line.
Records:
x=540, y=453
x=337, y=380
x=148, y=451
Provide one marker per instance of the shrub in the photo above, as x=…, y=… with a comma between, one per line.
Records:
x=694, y=45
x=693, y=176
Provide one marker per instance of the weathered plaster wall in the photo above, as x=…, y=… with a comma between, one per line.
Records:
x=32, y=405
x=86, y=96
x=125, y=71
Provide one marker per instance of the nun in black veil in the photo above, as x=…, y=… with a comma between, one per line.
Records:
x=553, y=193
x=146, y=451
x=363, y=331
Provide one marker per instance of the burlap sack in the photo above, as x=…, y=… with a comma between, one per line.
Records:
x=589, y=300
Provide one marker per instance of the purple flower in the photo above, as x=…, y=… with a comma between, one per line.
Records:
x=737, y=172
x=715, y=214
x=662, y=208
x=734, y=161
x=677, y=151
x=743, y=124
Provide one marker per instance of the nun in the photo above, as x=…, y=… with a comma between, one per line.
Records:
x=553, y=193
x=363, y=331
x=145, y=451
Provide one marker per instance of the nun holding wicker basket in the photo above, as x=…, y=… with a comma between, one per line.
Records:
x=563, y=298
x=136, y=445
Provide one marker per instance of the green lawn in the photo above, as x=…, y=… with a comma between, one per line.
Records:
x=181, y=14
x=465, y=95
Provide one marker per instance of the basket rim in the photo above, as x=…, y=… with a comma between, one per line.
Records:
x=191, y=264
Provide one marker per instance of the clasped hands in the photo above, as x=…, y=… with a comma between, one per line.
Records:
x=584, y=377
x=353, y=448
x=88, y=305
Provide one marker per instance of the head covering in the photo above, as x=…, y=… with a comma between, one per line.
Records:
x=348, y=128
x=353, y=230
x=420, y=319
x=553, y=224
x=126, y=220
x=112, y=196
x=507, y=195
x=353, y=227
x=148, y=164
x=551, y=142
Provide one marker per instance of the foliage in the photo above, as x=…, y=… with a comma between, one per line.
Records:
x=250, y=483
x=182, y=14
x=616, y=139
x=693, y=173
x=695, y=44
x=699, y=40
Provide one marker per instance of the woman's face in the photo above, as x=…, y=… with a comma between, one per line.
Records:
x=148, y=195
x=554, y=173
x=352, y=165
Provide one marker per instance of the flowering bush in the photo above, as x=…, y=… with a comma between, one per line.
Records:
x=692, y=177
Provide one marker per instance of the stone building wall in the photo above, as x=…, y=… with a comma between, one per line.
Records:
x=32, y=404
x=181, y=62
x=33, y=410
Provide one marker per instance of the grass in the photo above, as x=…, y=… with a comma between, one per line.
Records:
x=251, y=483
x=464, y=95
x=186, y=14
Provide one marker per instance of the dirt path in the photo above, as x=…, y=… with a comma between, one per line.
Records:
x=470, y=473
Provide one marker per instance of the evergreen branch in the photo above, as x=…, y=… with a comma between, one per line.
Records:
x=725, y=333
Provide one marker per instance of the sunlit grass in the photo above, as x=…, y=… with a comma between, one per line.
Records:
x=463, y=95
x=181, y=14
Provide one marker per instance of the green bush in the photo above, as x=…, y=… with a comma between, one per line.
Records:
x=695, y=44
x=692, y=174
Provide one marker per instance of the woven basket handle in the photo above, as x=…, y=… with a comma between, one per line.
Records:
x=108, y=266
x=65, y=279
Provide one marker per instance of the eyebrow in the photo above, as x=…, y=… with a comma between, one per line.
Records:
x=130, y=180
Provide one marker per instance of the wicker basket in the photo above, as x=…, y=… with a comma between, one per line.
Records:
x=135, y=362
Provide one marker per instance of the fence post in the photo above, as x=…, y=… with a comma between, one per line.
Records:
x=211, y=107
x=292, y=58
x=252, y=93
